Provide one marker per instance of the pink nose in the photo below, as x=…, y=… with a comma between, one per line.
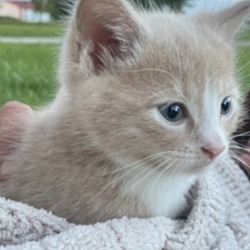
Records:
x=212, y=152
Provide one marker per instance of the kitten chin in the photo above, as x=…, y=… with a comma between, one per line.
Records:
x=143, y=109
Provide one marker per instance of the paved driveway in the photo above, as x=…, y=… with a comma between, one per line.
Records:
x=30, y=40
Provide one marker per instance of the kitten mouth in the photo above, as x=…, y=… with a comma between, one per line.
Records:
x=207, y=162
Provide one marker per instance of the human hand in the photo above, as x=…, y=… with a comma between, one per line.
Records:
x=14, y=118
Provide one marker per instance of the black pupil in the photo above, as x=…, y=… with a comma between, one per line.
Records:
x=174, y=112
x=225, y=106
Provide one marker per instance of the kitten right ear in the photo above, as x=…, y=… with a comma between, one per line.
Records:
x=228, y=21
x=108, y=28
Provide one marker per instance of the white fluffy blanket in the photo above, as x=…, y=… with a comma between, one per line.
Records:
x=220, y=219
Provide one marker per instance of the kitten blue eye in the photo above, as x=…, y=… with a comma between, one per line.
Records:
x=225, y=106
x=174, y=112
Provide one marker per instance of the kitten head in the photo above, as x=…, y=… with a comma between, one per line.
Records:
x=152, y=83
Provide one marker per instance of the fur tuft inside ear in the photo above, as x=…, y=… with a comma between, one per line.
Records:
x=108, y=26
x=228, y=21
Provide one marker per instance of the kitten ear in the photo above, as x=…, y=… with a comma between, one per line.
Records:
x=108, y=26
x=228, y=21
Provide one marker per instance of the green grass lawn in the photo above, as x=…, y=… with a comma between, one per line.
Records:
x=12, y=28
x=27, y=73
x=245, y=34
x=243, y=68
x=18, y=29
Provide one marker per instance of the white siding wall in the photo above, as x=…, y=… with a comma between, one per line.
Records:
x=10, y=10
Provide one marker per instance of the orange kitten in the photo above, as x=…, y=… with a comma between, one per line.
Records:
x=148, y=101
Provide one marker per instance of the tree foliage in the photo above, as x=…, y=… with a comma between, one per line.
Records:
x=60, y=8
x=175, y=5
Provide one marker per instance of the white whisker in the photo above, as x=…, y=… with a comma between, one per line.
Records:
x=161, y=174
x=143, y=178
x=240, y=148
x=241, y=135
x=156, y=70
x=239, y=159
x=127, y=169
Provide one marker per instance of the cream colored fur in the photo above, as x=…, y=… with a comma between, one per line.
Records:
x=102, y=150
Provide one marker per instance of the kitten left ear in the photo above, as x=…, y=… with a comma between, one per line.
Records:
x=228, y=21
x=109, y=27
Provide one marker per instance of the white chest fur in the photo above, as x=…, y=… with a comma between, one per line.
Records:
x=163, y=195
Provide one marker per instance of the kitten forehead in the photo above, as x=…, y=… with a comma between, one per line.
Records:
x=190, y=47
x=184, y=63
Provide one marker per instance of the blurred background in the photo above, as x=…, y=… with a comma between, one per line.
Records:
x=30, y=32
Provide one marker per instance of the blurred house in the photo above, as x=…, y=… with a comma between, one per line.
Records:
x=8, y=9
x=22, y=10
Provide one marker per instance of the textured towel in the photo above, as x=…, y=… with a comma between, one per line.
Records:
x=219, y=219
